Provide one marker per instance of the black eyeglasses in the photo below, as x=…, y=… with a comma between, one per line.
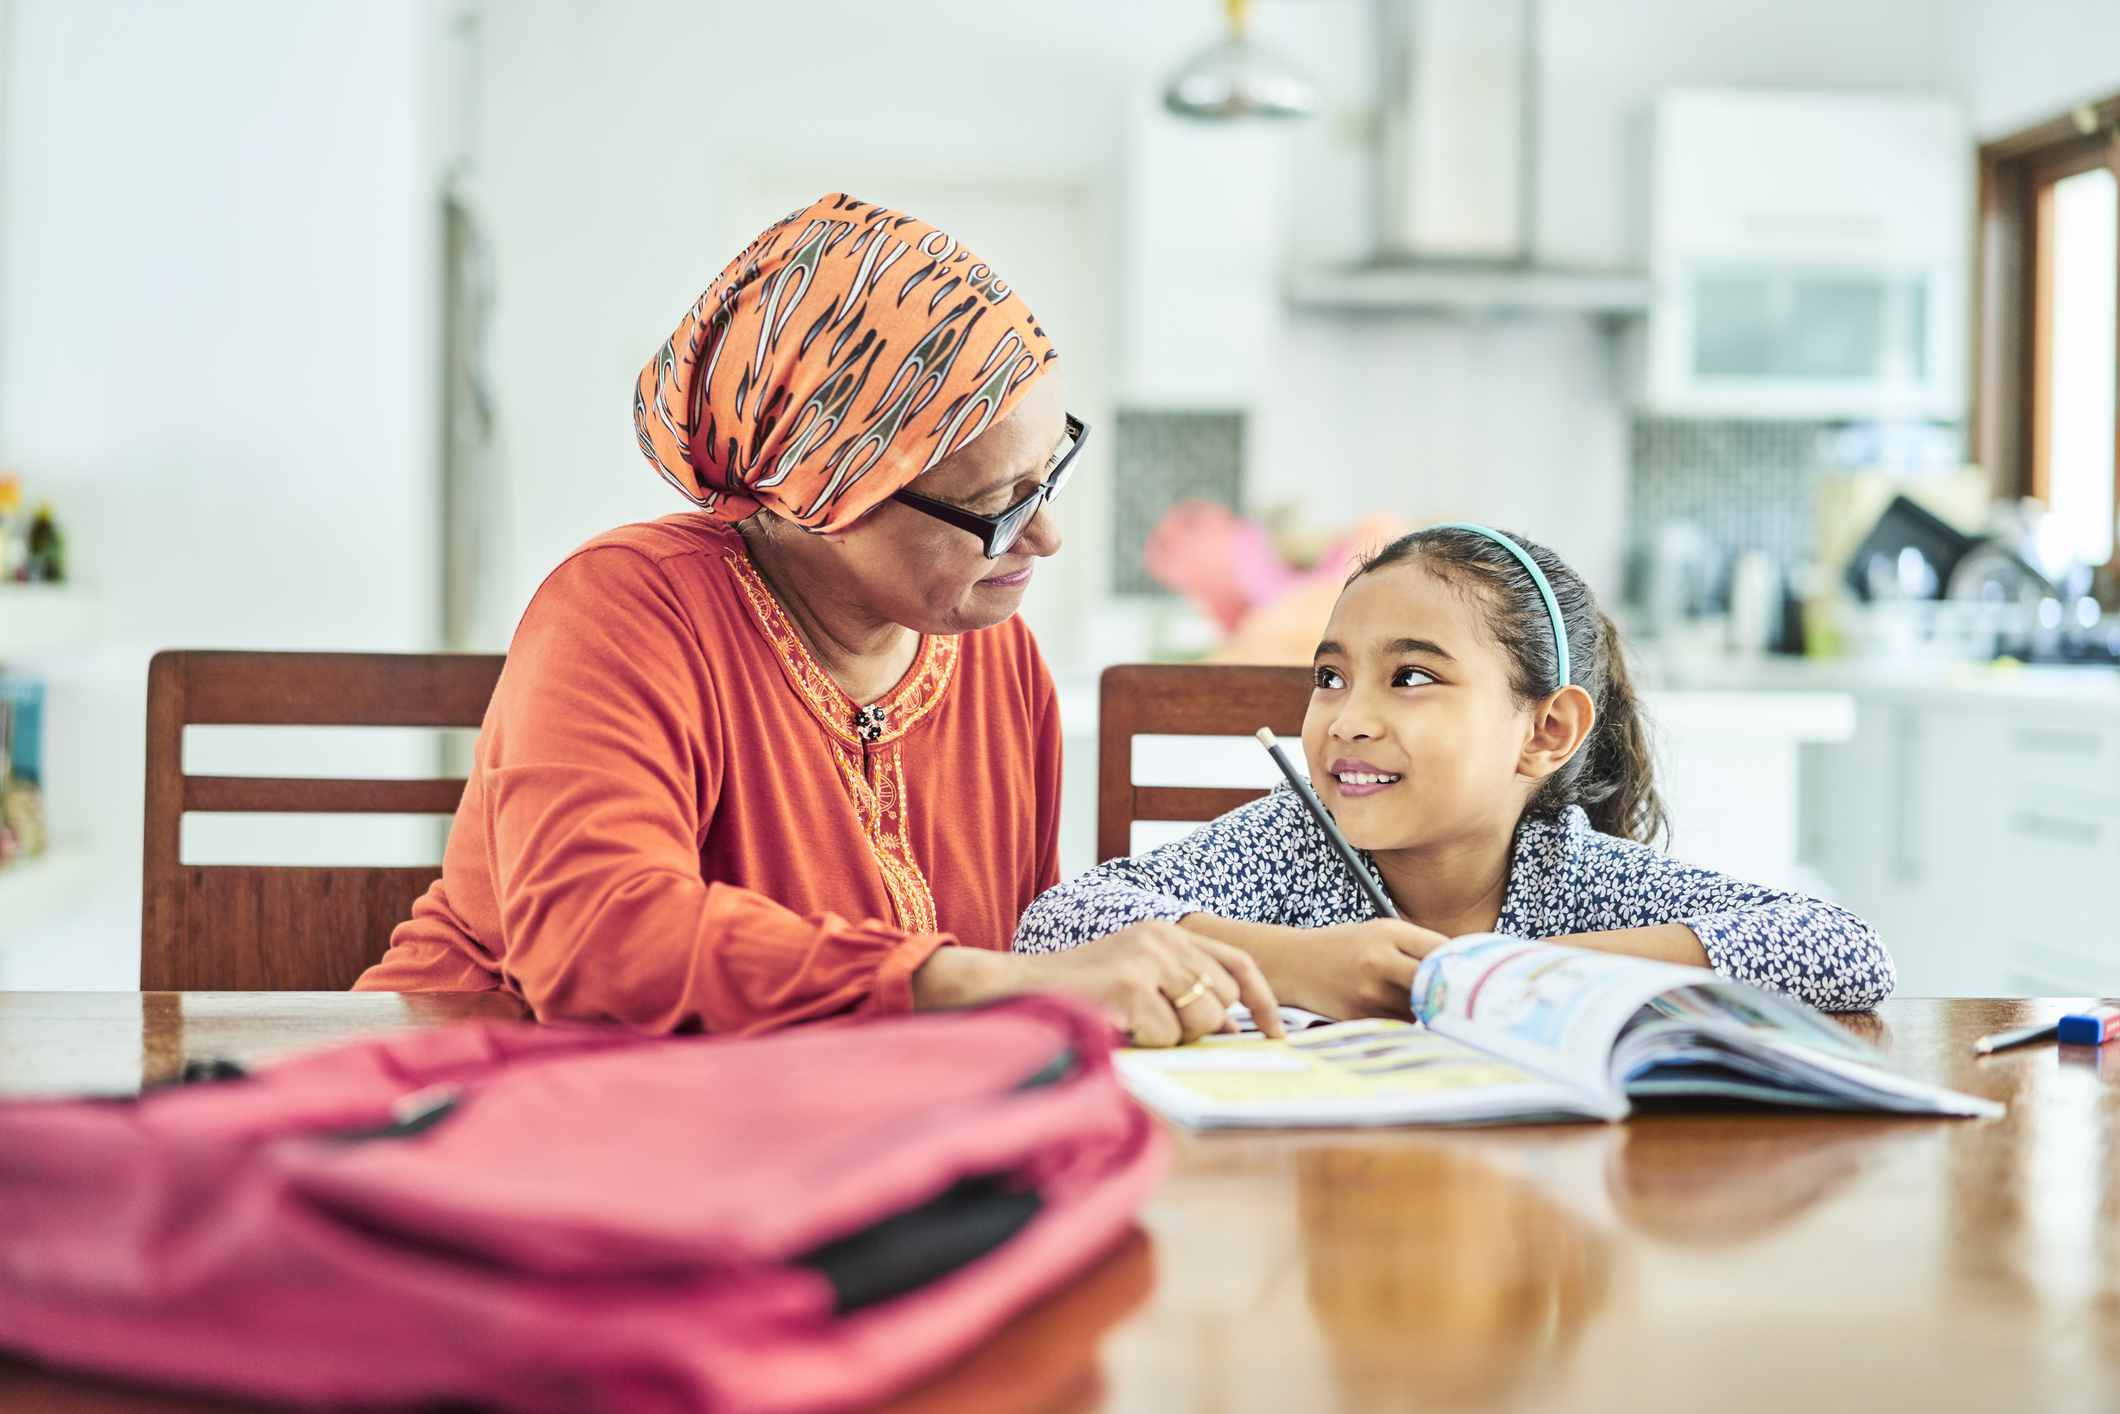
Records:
x=1002, y=531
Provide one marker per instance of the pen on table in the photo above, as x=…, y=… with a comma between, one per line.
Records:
x=2002, y=1040
x=1377, y=898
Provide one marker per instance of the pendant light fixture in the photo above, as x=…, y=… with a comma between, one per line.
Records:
x=1235, y=78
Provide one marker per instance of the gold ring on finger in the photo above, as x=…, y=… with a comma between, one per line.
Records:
x=1198, y=989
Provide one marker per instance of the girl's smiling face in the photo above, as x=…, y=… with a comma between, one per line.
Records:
x=1415, y=734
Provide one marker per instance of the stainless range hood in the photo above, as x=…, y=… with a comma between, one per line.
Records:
x=1454, y=193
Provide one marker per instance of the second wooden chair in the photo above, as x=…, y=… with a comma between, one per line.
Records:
x=1183, y=699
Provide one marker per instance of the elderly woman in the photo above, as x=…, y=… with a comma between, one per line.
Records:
x=792, y=755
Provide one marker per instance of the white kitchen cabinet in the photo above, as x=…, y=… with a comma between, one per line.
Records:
x=1983, y=840
x=1943, y=836
x=2058, y=857
x=1808, y=255
x=1727, y=769
x=1869, y=835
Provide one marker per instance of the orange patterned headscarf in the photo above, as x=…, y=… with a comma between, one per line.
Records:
x=844, y=352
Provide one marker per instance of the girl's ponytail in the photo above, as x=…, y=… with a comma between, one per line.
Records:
x=1618, y=786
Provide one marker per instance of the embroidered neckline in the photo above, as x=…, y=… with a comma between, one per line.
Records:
x=864, y=741
x=901, y=709
x=885, y=815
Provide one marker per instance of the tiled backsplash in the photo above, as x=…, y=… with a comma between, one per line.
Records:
x=1746, y=485
x=1162, y=458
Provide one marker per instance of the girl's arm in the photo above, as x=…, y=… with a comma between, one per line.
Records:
x=1665, y=942
x=1244, y=865
x=1627, y=897
x=1264, y=880
x=1363, y=967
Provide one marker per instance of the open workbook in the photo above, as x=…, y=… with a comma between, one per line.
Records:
x=1514, y=1031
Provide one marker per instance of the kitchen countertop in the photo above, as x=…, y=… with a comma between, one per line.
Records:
x=2072, y=690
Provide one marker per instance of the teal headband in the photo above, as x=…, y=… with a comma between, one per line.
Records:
x=1538, y=577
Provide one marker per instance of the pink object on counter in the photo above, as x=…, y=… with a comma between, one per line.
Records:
x=1227, y=566
x=1222, y=562
x=567, y=1218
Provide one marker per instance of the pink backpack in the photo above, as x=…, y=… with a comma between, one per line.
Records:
x=564, y=1218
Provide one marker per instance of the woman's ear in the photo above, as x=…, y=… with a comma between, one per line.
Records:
x=1559, y=727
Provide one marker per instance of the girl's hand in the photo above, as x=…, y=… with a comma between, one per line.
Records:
x=1358, y=969
x=1159, y=983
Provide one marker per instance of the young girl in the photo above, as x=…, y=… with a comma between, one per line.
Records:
x=1474, y=735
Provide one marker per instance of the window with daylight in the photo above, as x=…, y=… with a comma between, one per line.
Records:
x=2048, y=402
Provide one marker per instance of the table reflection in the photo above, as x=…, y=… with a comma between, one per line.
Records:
x=1047, y=1360
x=162, y=1041
x=1708, y=1181
x=1433, y=1274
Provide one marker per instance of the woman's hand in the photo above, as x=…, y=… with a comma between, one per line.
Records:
x=1357, y=969
x=1148, y=977
x=1159, y=983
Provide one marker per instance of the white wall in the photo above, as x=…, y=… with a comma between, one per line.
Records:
x=624, y=155
x=2024, y=61
x=615, y=151
x=216, y=283
x=216, y=357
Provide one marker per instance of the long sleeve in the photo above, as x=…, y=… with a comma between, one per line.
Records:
x=602, y=760
x=1814, y=951
x=1047, y=743
x=1264, y=862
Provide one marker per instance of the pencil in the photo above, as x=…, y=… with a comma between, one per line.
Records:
x=1377, y=898
x=2003, y=1040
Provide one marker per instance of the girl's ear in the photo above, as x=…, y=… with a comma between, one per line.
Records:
x=1559, y=727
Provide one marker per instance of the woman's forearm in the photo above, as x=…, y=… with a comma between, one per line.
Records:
x=955, y=977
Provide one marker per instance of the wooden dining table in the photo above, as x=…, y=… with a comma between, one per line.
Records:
x=1712, y=1259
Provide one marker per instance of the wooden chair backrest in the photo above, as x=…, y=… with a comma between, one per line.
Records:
x=274, y=928
x=1184, y=699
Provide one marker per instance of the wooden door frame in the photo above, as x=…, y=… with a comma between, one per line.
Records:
x=2010, y=287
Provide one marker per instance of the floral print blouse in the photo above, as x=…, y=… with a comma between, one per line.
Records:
x=1268, y=862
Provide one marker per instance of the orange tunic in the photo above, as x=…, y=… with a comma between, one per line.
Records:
x=673, y=822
